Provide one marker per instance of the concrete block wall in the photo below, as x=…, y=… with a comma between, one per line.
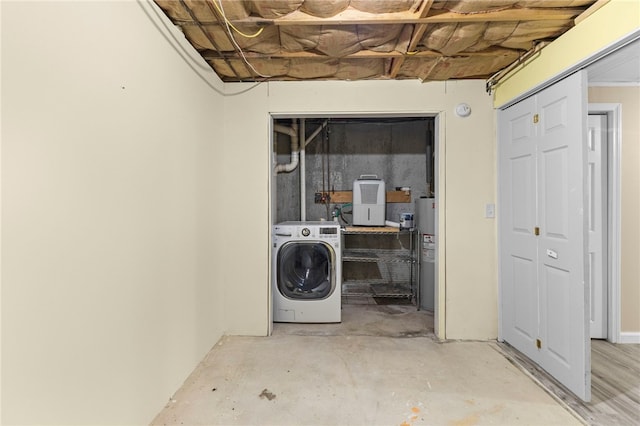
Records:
x=393, y=149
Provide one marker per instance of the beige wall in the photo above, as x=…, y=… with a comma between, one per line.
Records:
x=629, y=98
x=110, y=252
x=468, y=260
x=122, y=172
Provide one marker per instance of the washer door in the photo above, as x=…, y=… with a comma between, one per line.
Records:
x=305, y=270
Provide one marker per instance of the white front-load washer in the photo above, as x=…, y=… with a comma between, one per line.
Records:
x=307, y=272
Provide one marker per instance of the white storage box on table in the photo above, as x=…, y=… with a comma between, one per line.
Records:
x=369, y=201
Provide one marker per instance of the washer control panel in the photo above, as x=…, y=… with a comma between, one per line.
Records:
x=308, y=230
x=318, y=232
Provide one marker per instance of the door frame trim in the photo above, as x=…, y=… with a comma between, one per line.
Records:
x=439, y=141
x=613, y=111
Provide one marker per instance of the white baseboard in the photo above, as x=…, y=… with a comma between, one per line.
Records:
x=629, y=337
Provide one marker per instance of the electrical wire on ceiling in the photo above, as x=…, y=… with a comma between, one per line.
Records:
x=256, y=34
x=178, y=47
x=220, y=8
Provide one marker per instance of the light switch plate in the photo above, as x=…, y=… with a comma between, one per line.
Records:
x=490, y=211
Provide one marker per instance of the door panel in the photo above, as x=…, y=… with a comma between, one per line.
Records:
x=557, y=285
x=517, y=208
x=525, y=313
x=522, y=174
x=561, y=247
x=554, y=193
x=542, y=187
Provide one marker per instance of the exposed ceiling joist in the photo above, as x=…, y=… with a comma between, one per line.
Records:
x=351, y=16
x=590, y=11
x=363, y=54
x=418, y=32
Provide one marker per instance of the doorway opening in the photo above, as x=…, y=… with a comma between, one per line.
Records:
x=317, y=160
x=603, y=146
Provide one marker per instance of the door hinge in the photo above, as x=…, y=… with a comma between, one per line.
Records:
x=536, y=231
x=536, y=118
x=538, y=343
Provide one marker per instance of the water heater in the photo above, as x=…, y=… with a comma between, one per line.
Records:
x=369, y=202
x=426, y=212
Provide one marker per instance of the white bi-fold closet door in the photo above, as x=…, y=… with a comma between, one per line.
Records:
x=541, y=168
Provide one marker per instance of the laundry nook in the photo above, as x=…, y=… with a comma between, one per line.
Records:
x=352, y=185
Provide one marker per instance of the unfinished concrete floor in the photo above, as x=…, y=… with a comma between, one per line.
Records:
x=344, y=374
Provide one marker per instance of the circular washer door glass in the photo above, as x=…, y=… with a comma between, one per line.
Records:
x=305, y=270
